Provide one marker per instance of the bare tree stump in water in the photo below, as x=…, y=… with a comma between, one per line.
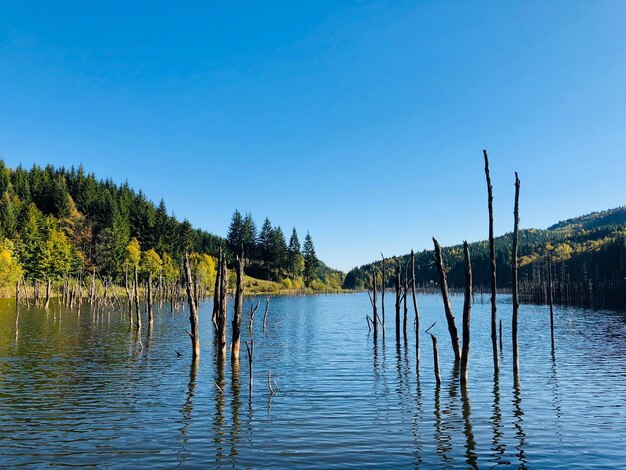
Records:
x=223, y=307
x=149, y=307
x=492, y=257
x=467, y=309
x=550, y=299
x=436, y=359
x=267, y=306
x=382, y=294
x=374, y=302
x=514, y=277
x=48, y=291
x=216, y=292
x=398, y=300
x=237, y=317
x=417, y=313
x=250, y=349
x=194, y=335
x=443, y=284
x=136, y=287
x=253, y=310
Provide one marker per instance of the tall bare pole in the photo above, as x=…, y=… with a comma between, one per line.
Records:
x=492, y=255
x=550, y=299
x=514, y=277
x=443, y=284
x=417, y=313
x=467, y=309
x=193, y=311
x=237, y=317
x=382, y=294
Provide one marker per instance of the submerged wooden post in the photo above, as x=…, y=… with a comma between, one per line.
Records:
x=149, y=307
x=398, y=274
x=550, y=299
x=405, y=310
x=267, y=306
x=514, y=277
x=382, y=294
x=223, y=313
x=467, y=309
x=501, y=335
x=48, y=289
x=17, y=295
x=492, y=257
x=216, y=292
x=250, y=349
x=137, y=309
x=443, y=284
x=417, y=313
x=374, y=302
x=237, y=317
x=436, y=359
x=193, y=310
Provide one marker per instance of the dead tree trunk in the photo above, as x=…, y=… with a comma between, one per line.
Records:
x=238, y=308
x=443, y=284
x=250, y=349
x=550, y=299
x=137, y=309
x=17, y=295
x=374, y=302
x=216, y=292
x=48, y=289
x=150, y=319
x=405, y=310
x=129, y=297
x=436, y=359
x=193, y=311
x=514, y=277
x=253, y=310
x=223, y=313
x=417, y=313
x=382, y=294
x=267, y=306
x=492, y=255
x=398, y=297
x=467, y=309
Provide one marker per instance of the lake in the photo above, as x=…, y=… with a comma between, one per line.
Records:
x=84, y=390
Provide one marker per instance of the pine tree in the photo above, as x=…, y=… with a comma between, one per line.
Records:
x=311, y=263
x=235, y=233
x=278, y=251
x=265, y=242
x=295, y=259
x=249, y=236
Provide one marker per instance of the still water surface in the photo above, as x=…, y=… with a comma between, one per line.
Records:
x=84, y=390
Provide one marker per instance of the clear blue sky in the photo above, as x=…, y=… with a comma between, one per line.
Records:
x=363, y=122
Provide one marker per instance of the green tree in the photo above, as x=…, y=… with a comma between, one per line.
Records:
x=10, y=269
x=295, y=261
x=311, y=263
x=235, y=237
x=249, y=236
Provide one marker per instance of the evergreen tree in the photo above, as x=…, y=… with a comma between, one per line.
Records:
x=295, y=262
x=235, y=233
x=265, y=242
x=311, y=263
x=249, y=236
x=278, y=251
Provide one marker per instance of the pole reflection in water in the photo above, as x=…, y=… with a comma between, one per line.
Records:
x=187, y=410
x=556, y=399
x=519, y=421
x=470, y=444
x=497, y=446
x=218, y=420
x=235, y=405
x=416, y=422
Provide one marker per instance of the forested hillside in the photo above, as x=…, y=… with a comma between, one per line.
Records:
x=57, y=223
x=591, y=248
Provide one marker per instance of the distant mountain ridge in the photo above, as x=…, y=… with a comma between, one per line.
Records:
x=591, y=246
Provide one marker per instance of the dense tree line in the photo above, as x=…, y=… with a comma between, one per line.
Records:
x=58, y=223
x=588, y=248
x=270, y=256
